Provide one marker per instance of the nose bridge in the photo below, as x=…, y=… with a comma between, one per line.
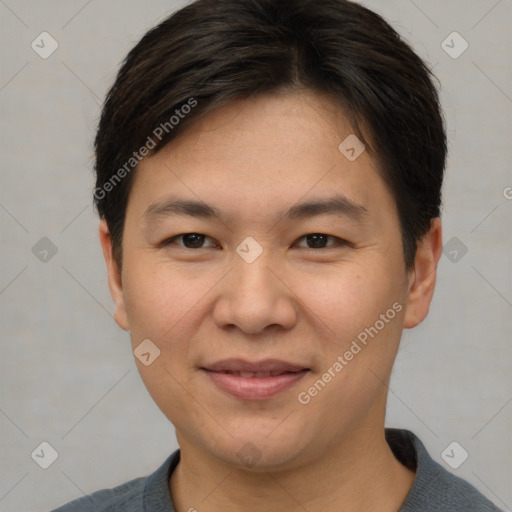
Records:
x=254, y=288
x=254, y=297
x=255, y=277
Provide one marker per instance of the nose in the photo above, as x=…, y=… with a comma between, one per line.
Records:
x=254, y=297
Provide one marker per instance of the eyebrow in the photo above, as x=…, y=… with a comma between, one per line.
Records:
x=337, y=205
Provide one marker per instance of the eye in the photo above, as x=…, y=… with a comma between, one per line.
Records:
x=189, y=241
x=319, y=241
x=197, y=240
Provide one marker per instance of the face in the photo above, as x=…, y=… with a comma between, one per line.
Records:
x=277, y=303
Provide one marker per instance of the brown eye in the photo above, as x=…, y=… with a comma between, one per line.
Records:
x=319, y=241
x=189, y=241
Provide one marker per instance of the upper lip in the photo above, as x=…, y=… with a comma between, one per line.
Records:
x=241, y=365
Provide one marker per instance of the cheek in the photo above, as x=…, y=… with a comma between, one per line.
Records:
x=364, y=314
x=162, y=307
x=361, y=315
x=157, y=298
x=348, y=301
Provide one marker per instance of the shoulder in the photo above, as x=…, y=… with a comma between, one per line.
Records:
x=434, y=488
x=131, y=496
x=127, y=497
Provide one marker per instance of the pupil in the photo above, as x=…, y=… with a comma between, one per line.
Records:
x=317, y=240
x=195, y=240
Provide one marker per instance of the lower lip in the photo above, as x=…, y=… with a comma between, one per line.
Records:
x=254, y=388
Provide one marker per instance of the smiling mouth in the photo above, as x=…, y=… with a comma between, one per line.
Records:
x=257, y=375
x=265, y=368
x=254, y=381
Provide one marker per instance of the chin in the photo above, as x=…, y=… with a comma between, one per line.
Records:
x=261, y=447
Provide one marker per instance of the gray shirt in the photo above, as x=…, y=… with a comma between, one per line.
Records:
x=434, y=489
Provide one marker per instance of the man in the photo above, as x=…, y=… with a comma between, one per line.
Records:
x=269, y=185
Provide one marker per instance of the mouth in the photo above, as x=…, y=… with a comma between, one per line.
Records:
x=254, y=381
x=258, y=375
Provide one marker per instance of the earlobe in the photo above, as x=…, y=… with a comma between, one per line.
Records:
x=114, y=276
x=422, y=279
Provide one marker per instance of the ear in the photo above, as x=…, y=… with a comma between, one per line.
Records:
x=422, y=279
x=115, y=282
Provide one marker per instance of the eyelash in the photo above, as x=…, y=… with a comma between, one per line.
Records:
x=337, y=241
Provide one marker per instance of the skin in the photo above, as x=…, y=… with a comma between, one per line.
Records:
x=252, y=159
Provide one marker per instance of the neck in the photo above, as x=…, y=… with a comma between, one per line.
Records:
x=360, y=473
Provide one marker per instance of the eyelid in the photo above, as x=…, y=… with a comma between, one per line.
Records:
x=337, y=241
x=172, y=240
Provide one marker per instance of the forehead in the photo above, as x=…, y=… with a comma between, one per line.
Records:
x=265, y=124
x=265, y=153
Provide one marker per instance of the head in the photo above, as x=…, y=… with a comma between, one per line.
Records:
x=301, y=147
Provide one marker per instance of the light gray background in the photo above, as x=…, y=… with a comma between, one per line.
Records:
x=67, y=371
